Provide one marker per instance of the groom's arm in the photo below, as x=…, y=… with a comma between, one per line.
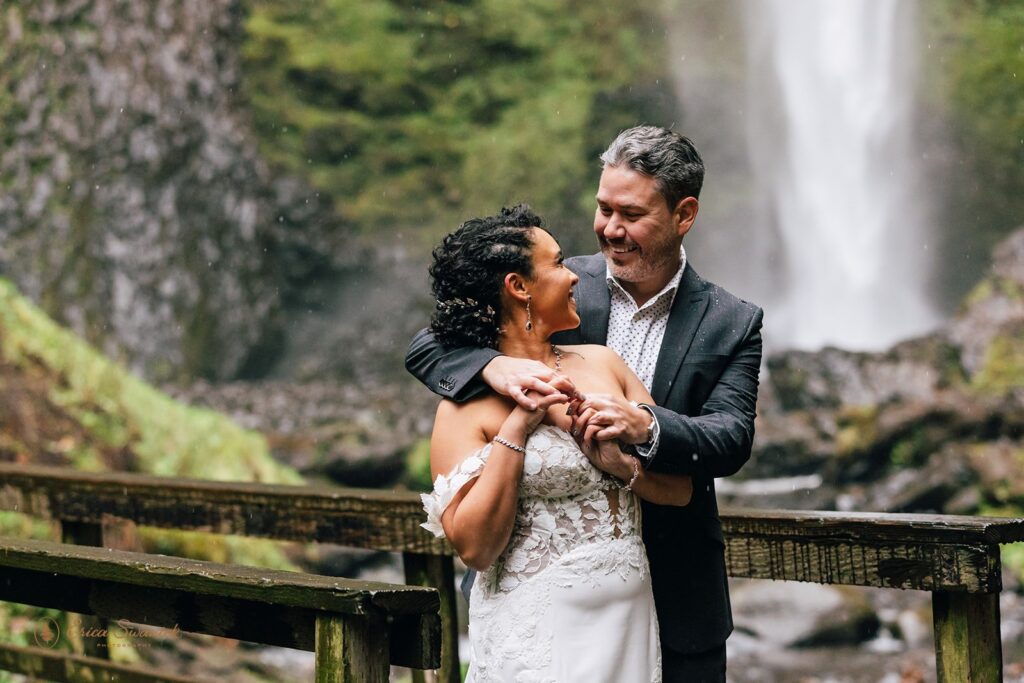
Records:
x=452, y=373
x=717, y=442
x=463, y=373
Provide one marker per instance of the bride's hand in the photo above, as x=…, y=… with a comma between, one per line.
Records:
x=527, y=420
x=524, y=380
x=608, y=457
x=606, y=417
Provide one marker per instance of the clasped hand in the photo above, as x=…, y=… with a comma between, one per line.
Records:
x=601, y=417
x=606, y=417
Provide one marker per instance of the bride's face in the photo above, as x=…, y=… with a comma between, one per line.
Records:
x=552, y=305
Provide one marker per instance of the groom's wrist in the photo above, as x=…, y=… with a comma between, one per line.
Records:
x=649, y=446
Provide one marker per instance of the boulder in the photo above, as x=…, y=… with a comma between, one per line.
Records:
x=791, y=614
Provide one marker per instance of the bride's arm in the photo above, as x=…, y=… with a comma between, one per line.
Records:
x=478, y=521
x=654, y=487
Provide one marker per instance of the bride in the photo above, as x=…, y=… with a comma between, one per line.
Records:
x=548, y=516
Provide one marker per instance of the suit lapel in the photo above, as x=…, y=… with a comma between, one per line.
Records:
x=593, y=299
x=687, y=312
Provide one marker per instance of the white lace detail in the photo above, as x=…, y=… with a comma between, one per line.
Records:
x=575, y=529
x=446, y=486
x=565, y=505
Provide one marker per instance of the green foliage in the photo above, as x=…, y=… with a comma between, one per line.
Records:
x=417, y=466
x=118, y=410
x=983, y=80
x=414, y=114
x=24, y=526
x=911, y=451
x=857, y=429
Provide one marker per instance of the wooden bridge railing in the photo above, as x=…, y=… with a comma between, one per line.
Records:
x=88, y=505
x=344, y=622
x=955, y=558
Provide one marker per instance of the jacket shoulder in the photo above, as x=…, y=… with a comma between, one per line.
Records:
x=592, y=264
x=726, y=300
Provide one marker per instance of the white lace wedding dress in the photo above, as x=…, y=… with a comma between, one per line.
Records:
x=570, y=597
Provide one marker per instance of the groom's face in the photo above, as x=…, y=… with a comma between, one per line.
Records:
x=638, y=233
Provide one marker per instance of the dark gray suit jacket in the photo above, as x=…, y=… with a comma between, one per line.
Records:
x=705, y=388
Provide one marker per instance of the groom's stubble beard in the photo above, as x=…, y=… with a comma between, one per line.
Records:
x=653, y=259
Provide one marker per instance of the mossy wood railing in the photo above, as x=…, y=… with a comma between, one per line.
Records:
x=955, y=558
x=89, y=506
x=344, y=622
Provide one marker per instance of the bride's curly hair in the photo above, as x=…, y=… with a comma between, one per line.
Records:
x=469, y=270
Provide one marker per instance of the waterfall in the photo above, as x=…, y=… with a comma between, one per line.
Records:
x=830, y=137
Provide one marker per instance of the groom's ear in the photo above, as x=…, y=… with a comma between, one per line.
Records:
x=685, y=214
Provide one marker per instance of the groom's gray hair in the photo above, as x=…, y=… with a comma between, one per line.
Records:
x=668, y=157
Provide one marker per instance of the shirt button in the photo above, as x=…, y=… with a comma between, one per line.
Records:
x=695, y=457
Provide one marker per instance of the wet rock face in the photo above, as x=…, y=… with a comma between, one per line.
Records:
x=935, y=424
x=992, y=318
x=790, y=614
x=135, y=207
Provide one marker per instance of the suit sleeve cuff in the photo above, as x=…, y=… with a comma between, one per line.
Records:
x=647, y=450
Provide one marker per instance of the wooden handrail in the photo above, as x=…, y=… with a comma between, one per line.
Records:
x=369, y=519
x=342, y=621
x=954, y=557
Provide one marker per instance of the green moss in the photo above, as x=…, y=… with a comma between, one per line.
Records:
x=993, y=286
x=910, y=451
x=24, y=526
x=215, y=548
x=980, y=293
x=118, y=410
x=857, y=429
x=1003, y=368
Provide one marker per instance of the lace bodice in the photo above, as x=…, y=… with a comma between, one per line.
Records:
x=565, y=505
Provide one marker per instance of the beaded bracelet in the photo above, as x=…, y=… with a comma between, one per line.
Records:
x=509, y=444
x=636, y=473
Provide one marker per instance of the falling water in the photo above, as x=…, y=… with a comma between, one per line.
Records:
x=831, y=141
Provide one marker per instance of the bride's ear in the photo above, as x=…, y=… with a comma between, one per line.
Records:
x=516, y=287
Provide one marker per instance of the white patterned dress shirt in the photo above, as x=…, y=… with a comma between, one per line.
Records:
x=636, y=332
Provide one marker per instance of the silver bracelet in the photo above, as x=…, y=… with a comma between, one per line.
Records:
x=509, y=444
x=628, y=488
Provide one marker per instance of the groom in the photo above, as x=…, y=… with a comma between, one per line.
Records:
x=696, y=347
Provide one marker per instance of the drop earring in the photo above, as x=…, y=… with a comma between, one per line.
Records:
x=529, y=320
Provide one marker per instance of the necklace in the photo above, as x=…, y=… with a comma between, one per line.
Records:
x=558, y=358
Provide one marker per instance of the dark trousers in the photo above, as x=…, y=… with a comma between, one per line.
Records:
x=699, y=667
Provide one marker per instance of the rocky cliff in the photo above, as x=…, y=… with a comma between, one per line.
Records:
x=135, y=207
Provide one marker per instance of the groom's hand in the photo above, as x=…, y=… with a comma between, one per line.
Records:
x=513, y=377
x=605, y=417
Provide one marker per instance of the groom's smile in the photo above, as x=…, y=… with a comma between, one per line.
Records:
x=639, y=235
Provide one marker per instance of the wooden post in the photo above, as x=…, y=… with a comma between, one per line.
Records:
x=84, y=629
x=967, y=645
x=351, y=649
x=438, y=571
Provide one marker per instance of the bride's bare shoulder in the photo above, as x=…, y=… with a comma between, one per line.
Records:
x=478, y=413
x=463, y=428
